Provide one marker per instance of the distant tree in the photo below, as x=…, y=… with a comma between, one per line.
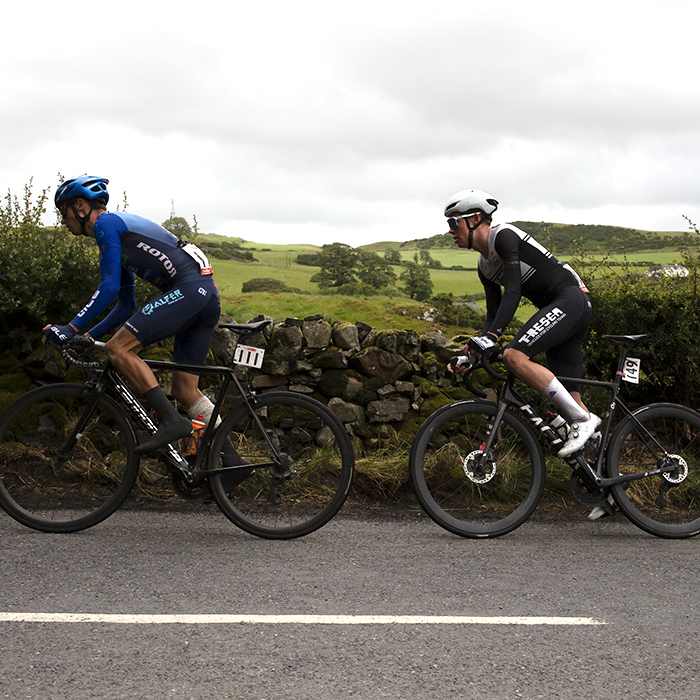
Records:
x=427, y=259
x=375, y=271
x=178, y=227
x=417, y=282
x=308, y=259
x=337, y=262
x=393, y=257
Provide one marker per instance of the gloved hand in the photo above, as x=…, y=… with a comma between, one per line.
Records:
x=481, y=343
x=59, y=334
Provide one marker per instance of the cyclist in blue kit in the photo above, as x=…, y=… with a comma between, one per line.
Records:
x=188, y=306
x=512, y=264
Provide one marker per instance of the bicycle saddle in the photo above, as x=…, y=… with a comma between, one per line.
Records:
x=245, y=328
x=628, y=340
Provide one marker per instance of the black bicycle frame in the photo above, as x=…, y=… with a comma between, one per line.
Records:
x=169, y=453
x=510, y=397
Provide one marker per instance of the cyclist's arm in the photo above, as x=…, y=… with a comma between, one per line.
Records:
x=508, y=248
x=110, y=271
x=493, y=302
x=124, y=308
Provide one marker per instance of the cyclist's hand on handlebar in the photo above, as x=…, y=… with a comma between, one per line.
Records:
x=58, y=335
x=461, y=364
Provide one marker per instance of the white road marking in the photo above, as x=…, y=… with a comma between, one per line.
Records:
x=293, y=619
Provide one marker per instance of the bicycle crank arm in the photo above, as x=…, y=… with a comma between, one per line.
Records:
x=170, y=455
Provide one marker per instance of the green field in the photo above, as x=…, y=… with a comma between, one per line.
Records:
x=279, y=262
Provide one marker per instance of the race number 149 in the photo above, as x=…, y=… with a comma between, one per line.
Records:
x=630, y=372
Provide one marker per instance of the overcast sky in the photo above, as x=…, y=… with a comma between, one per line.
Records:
x=315, y=122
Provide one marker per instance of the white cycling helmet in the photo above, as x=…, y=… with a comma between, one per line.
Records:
x=468, y=201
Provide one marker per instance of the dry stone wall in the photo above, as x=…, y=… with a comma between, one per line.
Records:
x=372, y=380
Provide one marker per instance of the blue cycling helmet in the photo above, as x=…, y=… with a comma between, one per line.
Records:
x=87, y=186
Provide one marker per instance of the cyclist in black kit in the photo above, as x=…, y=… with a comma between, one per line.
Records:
x=188, y=306
x=511, y=259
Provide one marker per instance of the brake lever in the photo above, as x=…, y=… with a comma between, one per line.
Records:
x=460, y=361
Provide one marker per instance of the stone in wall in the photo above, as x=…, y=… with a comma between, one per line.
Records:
x=283, y=349
x=331, y=358
x=390, y=410
x=375, y=362
x=345, y=385
x=347, y=412
x=317, y=332
x=346, y=336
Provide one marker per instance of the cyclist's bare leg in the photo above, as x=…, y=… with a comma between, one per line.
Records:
x=583, y=422
x=186, y=389
x=534, y=375
x=122, y=351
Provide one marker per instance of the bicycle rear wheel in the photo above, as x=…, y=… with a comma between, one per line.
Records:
x=456, y=490
x=64, y=466
x=298, y=496
x=663, y=505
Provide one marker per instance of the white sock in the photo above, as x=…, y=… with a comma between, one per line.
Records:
x=202, y=407
x=558, y=395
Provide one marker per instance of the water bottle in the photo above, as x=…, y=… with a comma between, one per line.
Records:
x=193, y=440
x=559, y=426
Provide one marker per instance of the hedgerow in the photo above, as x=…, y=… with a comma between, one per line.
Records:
x=47, y=274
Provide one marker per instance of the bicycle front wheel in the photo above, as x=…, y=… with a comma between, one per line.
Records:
x=470, y=493
x=666, y=505
x=300, y=488
x=66, y=458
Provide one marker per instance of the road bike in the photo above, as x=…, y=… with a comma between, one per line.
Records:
x=67, y=457
x=478, y=469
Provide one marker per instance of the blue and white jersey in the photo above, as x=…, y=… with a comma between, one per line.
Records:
x=132, y=245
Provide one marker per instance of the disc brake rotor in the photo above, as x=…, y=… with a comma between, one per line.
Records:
x=680, y=472
x=476, y=471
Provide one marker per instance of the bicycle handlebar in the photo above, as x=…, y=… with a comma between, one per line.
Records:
x=80, y=345
x=486, y=361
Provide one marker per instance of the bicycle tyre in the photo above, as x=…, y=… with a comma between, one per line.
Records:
x=442, y=455
x=656, y=505
x=271, y=505
x=77, y=490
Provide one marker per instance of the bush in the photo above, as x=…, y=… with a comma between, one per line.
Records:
x=311, y=259
x=226, y=250
x=268, y=284
x=457, y=314
x=668, y=311
x=48, y=274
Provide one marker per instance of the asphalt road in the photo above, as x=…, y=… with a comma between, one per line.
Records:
x=638, y=594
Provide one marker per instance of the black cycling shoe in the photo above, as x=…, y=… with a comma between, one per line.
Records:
x=168, y=431
x=231, y=458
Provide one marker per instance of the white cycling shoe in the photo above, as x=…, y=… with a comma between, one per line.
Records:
x=608, y=508
x=579, y=433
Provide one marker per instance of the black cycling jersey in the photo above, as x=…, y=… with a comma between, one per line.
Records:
x=519, y=264
x=523, y=267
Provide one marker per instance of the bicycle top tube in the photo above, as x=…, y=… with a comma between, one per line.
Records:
x=626, y=342
x=199, y=369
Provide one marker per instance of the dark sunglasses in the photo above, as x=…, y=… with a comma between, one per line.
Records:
x=453, y=222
